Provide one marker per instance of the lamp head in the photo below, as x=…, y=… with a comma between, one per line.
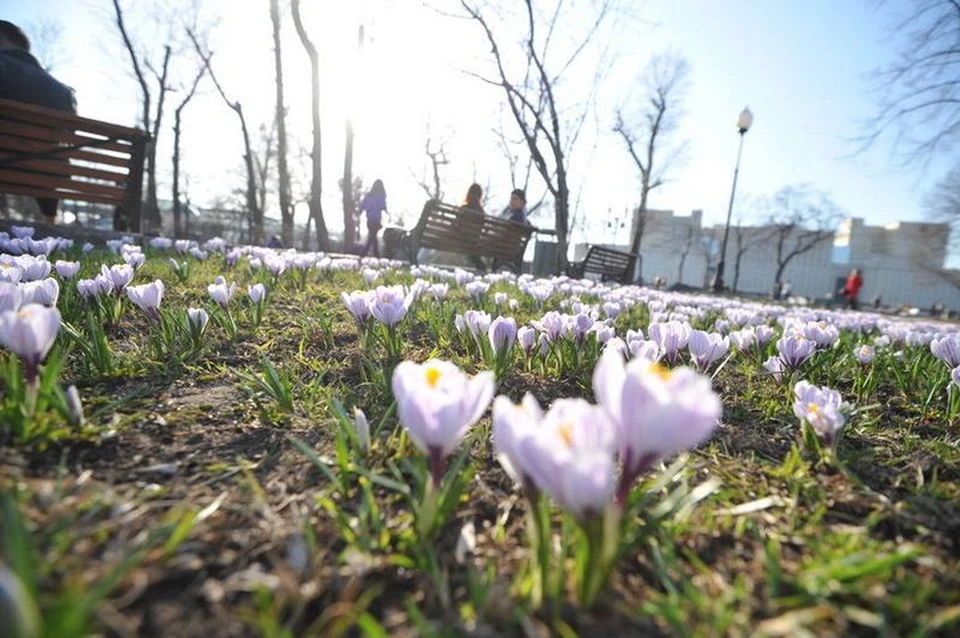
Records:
x=745, y=121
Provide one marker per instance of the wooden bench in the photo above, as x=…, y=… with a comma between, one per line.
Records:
x=609, y=263
x=53, y=154
x=457, y=230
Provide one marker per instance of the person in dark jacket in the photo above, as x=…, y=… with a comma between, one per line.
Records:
x=517, y=210
x=22, y=79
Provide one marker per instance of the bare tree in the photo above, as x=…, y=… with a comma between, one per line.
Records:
x=746, y=238
x=46, y=42
x=349, y=205
x=437, y=157
x=687, y=242
x=254, y=211
x=800, y=219
x=177, y=120
x=943, y=200
x=648, y=133
x=151, y=120
x=283, y=170
x=316, y=184
x=919, y=92
x=521, y=169
x=263, y=156
x=532, y=97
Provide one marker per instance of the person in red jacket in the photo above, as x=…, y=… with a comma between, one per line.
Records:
x=852, y=289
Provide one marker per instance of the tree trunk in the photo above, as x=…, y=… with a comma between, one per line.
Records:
x=316, y=183
x=176, y=174
x=346, y=190
x=254, y=212
x=283, y=170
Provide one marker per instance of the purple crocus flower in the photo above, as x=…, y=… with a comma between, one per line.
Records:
x=437, y=403
x=820, y=407
x=947, y=349
x=502, y=334
x=357, y=303
x=11, y=297
x=147, y=297
x=221, y=291
x=707, y=347
x=29, y=333
x=527, y=337
x=117, y=276
x=45, y=292
x=567, y=453
x=656, y=412
x=672, y=336
x=550, y=324
x=67, y=269
x=389, y=304
x=795, y=349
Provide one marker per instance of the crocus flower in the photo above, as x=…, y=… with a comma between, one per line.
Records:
x=820, y=407
x=221, y=291
x=499, y=298
x=88, y=288
x=774, y=365
x=147, y=297
x=511, y=423
x=87, y=247
x=569, y=454
x=502, y=333
x=947, y=349
x=362, y=429
x=118, y=275
x=550, y=324
x=74, y=405
x=257, y=292
x=656, y=412
x=11, y=296
x=46, y=291
x=389, y=304
x=795, y=349
x=527, y=337
x=67, y=269
x=358, y=303
x=864, y=354
x=955, y=376
x=437, y=403
x=29, y=333
x=707, y=347
x=197, y=319
x=672, y=336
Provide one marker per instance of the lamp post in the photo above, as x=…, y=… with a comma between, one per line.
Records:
x=743, y=125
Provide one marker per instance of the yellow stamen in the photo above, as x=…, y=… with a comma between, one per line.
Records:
x=433, y=376
x=566, y=434
x=660, y=371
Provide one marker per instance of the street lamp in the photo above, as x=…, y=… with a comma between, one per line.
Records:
x=743, y=125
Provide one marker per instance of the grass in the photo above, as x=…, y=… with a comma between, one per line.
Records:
x=221, y=490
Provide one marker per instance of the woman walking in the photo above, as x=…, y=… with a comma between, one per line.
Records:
x=375, y=204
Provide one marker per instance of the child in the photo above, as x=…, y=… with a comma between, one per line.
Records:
x=375, y=204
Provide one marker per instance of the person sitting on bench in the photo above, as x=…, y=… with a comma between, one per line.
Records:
x=517, y=210
x=22, y=79
x=474, y=202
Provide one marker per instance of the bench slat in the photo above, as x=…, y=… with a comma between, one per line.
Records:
x=43, y=115
x=39, y=133
x=36, y=148
x=66, y=169
x=21, y=189
x=58, y=183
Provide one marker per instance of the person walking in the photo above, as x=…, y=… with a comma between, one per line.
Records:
x=375, y=204
x=851, y=290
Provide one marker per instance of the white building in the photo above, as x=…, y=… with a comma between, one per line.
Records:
x=903, y=263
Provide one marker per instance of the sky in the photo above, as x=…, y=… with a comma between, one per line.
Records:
x=801, y=67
